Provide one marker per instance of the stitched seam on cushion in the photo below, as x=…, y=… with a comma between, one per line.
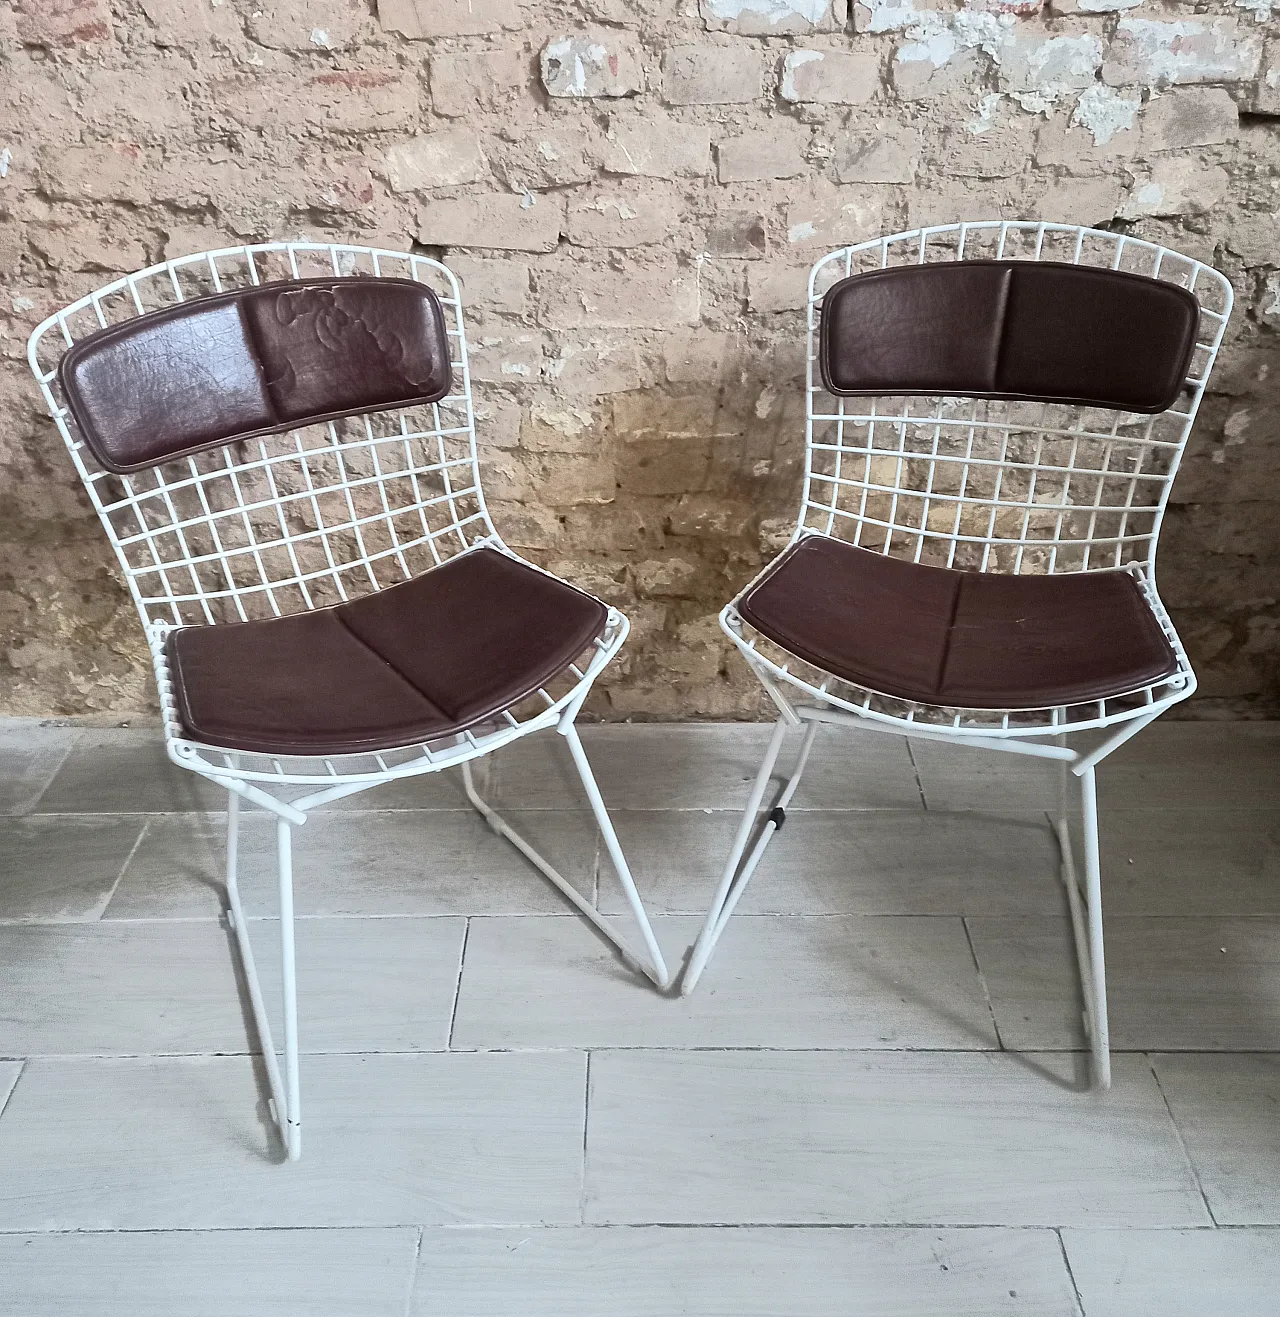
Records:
x=540, y=678
x=1002, y=321
x=382, y=658
x=940, y=684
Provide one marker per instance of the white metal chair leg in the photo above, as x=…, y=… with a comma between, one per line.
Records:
x=655, y=968
x=734, y=880
x=1086, y=925
x=285, y=1101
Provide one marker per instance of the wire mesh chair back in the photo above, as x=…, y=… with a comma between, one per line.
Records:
x=269, y=526
x=998, y=485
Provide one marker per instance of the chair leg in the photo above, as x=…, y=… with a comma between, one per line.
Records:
x=655, y=968
x=1086, y=925
x=734, y=880
x=285, y=1101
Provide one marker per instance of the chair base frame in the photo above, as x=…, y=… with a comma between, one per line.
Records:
x=1084, y=891
x=284, y=1102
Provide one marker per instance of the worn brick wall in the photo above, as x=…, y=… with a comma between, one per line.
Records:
x=630, y=191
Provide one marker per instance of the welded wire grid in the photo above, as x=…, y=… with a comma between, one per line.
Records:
x=994, y=485
x=285, y=523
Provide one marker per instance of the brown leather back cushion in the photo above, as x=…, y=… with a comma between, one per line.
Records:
x=256, y=361
x=1010, y=329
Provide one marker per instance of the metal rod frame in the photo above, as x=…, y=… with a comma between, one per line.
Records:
x=1019, y=488
x=294, y=522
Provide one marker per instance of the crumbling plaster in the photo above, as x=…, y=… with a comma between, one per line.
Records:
x=630, y=191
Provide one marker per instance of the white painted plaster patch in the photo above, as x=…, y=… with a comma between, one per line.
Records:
x=772, y=11
x=1103, y=112
x=319, y=37
x=789, y=66
x=1107, y=6
x=1260, y=9
x=985, y=118
x=6, y=159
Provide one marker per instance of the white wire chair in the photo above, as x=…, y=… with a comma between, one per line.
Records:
x=292, y=522
x=987, y=485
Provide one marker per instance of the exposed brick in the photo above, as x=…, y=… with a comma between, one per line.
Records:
x=831, y=216
x=86, y=245
x=662, y=149
x=558, y=426
x=595, y=366
x=433, y=160
x=317, y=25
x=1176, y=187
x=1090, y=201
x=893, y=15
x=828, y=77
x=741, y=233
x=883, y=153
x=427, y=19
x=1001, y=151
x=63, y=22
x=1254, y=236
x=346, y=100
x=712, y=75
x=773, y=152
x=917, y=77
x=1201, y=116
x=124, y=101
x=622, y=216
x=653, y=296
x=1263, y=97
x=498, y=220
x=498, y=419
x=478, y=81
x=701, y=356
x=772, y=17
x=492, y=283
x=552, y=155
x=192, y=22
x=591, y=64
x=1188, y=50
x=774, y=288
x=114, y=172
x=1061, y=144
x=512, y=359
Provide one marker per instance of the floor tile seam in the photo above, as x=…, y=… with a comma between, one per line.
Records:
x=606, y=1227
x=414, y=1267
x=586, y=1131
x=135, y=921
x=982, y=981
x=124, y=868
x=627, y=1049
x=457, y=985
x=915, y=769
x=100, y=1231
x=1071, y=1275
x=72, y=743
x=13, y=1088
x=1177, y=1131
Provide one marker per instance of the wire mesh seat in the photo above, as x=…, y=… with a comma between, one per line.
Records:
x=995, y=415
x=279, y=441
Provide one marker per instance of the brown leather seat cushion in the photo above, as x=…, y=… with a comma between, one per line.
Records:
x=432, y=656
x=962, y=639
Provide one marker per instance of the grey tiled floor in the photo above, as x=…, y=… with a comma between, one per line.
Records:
x=874, y=1104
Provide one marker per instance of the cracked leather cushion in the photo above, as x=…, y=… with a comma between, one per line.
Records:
x=973, y=640
x=1032, y=330
x=420, y=660
x=231, y=366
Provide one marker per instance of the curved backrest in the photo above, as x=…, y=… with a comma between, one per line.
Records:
x=271, y=428
x=1004, y=396
x=234, y=366
x=1034, y=331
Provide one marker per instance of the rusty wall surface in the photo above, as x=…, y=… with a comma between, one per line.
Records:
x=631, y=191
